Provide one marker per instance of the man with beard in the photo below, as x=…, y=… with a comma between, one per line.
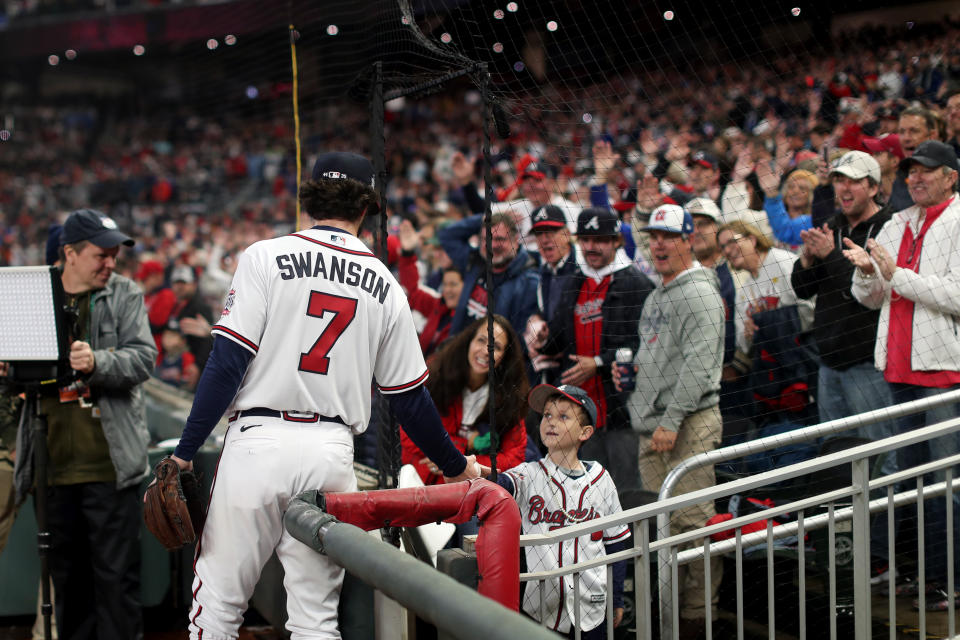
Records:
x=597, y=314
x=848, y=382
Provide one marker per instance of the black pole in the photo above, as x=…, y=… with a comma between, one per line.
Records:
x=491, y=290
x=37, y=423
x=389, y=443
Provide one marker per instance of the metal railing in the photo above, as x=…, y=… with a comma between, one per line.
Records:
x=857, y=493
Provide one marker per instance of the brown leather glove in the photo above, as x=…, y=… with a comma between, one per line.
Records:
x=173, y=506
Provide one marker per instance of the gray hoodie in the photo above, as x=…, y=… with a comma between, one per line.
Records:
x=680, y=356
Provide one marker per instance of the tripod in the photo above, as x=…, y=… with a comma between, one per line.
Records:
x=36, y=423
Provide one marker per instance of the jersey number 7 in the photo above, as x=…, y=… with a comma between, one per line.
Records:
x=343, y=310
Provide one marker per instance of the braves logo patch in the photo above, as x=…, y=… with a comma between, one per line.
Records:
x=228, y=303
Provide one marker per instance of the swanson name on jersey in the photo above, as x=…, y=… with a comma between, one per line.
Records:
x=342, y=270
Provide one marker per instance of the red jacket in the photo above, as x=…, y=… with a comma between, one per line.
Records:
x=513, y=445
x=427, y=302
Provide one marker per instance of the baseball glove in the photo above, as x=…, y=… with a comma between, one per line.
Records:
x=173, y=505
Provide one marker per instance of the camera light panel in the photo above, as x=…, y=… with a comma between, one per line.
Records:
x=28, y=326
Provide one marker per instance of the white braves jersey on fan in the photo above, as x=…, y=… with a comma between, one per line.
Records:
x=550, y=499
x=318, y=310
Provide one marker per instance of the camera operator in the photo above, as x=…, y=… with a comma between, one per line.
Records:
x=97, y=439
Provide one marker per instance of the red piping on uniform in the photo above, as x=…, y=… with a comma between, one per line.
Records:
x=408, y=385
x=233, y=334
x=353, y=252
x=196, y=555
x=498, y=543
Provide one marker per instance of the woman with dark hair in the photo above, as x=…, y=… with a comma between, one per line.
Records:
x=437, y=310
x=459, y=387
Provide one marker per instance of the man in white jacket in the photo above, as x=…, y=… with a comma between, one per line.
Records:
x=911, y=272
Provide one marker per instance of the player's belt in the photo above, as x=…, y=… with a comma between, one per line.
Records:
x=289, y=416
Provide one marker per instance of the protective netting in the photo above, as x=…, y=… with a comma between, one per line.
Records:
x=180, y=121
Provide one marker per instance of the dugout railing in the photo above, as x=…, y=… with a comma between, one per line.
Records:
x=656, y=558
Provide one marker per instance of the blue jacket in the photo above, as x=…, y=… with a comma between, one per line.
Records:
x=514, y=290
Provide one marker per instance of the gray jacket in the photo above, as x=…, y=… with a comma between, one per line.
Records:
x=680, y=356
x=125, y=353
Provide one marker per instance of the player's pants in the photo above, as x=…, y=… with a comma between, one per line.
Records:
x=265, y=463
x=699, y=433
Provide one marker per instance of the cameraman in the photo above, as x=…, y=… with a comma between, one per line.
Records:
x=97, y=439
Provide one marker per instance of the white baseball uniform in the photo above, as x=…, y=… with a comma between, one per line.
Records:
x=322, y=316
x=550, y=499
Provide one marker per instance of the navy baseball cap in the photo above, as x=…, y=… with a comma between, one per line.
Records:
x=549, y=216
x=671, y=218
x=541, y=393
x=704, y=159
x=596, y=221
x=339, y=165
x=94, y=227
x=932, y=154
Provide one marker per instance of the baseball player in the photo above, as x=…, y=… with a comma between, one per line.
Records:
x=311, y=318
x=561, y=490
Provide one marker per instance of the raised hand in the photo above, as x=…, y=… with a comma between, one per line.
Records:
x=604, y=159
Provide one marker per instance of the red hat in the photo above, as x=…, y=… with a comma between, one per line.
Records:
x=529, y=167
x=148, y=268
x=889, y=143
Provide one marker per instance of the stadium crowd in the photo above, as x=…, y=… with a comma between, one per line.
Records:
x=784, y=179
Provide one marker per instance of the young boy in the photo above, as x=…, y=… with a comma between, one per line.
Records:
x=561, y=490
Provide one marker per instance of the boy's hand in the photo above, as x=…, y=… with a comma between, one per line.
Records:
x=617, y=616
x=663, y=440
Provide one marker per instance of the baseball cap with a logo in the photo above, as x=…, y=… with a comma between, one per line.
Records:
x=533, y=170
x=547, y=218
x=857, y=165
x=704, y=159
x=931, y=154
x=340, y=165
x=595, y=221
x=541, y=393
x=94, y=227
x=703, y=207
x=671, y=218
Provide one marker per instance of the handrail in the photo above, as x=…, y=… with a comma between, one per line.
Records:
x=747, y=483
x=450, y=606
x=785, y=530
x=646, y=512
x=803, y=434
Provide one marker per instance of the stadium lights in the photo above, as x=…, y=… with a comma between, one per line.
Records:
x=499, y=14
x=552, y=25
x=333, y=30
x=139, y=49
x=668, y=15
x=252, y=92
x=498, y=47
x=512, y=7
x=70, y=54
x=446, y=38
x=212, y=44
x=795, y=11
x=229, y=39
x=53, y=60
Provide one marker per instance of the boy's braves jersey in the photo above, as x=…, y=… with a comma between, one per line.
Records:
x=319, y=311
x=550, y=499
